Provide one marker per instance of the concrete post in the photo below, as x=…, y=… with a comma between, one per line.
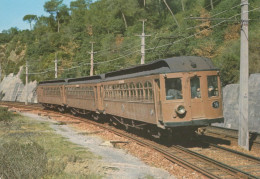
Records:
x=243, y=134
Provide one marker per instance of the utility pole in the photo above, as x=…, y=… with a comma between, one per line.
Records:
x=0, y=72
x=143, y=43
x=92, y=59
x=26, y=83
x=211, y=4
x=56, y=66
x=182, y=5
x=243, y=134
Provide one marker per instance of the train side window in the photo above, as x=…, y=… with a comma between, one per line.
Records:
x=148, y=90
x=132, y=91
x=140, y=93
x=195, y=87
x=110, y=87
x=173, y=88
x=212, y=86
x=125, y=91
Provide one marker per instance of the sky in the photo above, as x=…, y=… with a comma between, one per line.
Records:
x=13, y=11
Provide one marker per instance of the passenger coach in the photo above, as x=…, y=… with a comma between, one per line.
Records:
x=177, y=92
x=174, y=92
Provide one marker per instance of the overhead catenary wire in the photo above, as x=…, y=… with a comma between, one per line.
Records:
x=214, y=16
x=152, y=48
x=198, y=32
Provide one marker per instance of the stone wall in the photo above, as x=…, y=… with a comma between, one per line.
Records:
x=231, y=104
x=13, y=89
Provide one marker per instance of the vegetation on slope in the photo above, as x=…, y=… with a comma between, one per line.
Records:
x=113, y=26
x=31, y=149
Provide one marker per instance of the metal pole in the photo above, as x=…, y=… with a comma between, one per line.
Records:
x=92, y=59
x=56, y=66
x=26, y=83
x=243, y=134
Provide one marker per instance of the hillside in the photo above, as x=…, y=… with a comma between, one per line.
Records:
x=114, y=25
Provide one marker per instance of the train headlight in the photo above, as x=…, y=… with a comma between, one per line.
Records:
x=215, y=104
x=180, y=110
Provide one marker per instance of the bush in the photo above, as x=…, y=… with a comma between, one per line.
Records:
x=22, y=160
x=5, y=115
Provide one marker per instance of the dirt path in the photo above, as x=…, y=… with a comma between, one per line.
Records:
x=116, y=162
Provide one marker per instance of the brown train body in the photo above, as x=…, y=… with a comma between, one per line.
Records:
x=171, y=93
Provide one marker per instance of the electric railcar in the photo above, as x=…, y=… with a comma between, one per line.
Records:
x=174, y=93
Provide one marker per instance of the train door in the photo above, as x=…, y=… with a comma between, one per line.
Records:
x=96, y=97
x=62, y=94
x=157, y=102
x=99, y=98
x=197, y=105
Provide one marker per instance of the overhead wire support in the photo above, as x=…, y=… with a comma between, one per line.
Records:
x=0, y=71
x=92, y=59
x=56, y=66
x=143, y=43
x=26, y=83
x=243, y=133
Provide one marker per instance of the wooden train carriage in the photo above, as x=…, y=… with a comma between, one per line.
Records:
x=179, y=91
x=51, y=93
x=83, y=93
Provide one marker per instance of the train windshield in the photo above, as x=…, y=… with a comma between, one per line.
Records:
x=195, y=87
x=213, y=86
x=173, y=88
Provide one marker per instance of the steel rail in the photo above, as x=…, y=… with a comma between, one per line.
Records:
x=226, y=133
x=167, y=152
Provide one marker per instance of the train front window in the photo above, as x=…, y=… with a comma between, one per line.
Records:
x=173, y=88
x=195, y=87
x=213, y=86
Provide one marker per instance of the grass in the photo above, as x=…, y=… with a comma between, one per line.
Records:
x=31, y=149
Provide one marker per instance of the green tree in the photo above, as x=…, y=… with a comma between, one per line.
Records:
x=55, y=7
x=30, y=18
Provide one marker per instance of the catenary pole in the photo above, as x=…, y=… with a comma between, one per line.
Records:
x=243, y=134
x=143, y=43
x=211, y=4
x=26, y=83
x=56, y=66
x=92, y=59
x=0, y=72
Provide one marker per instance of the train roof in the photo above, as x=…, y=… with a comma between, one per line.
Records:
x=87, y=79
x=169, y=65
x=162, y=66
x=53, y=82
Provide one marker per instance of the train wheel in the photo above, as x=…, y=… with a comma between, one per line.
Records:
x=61, y=109
x=73, y=112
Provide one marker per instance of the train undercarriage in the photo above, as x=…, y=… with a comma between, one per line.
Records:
x=133, y=126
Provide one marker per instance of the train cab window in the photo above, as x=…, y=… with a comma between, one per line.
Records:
x=212, y=86
x=173, y=88
x=195, y=87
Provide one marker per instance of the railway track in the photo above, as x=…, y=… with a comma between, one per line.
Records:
x=232, y=135
x=246, y=166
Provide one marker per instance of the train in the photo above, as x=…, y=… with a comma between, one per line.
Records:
x=173, y=95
